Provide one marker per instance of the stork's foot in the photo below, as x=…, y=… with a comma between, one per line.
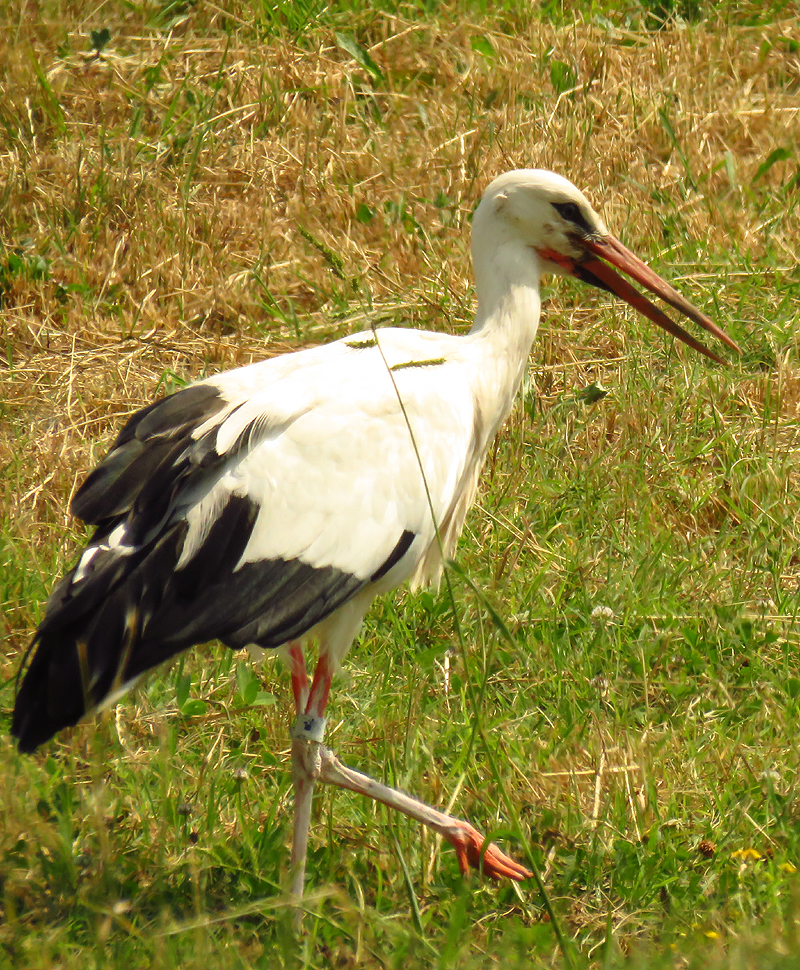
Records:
x=491, y=861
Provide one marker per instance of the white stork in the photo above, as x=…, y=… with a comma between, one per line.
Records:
x=271, y=504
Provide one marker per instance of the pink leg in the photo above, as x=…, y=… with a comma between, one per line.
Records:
x=466, y=839
x=306, y=737
x=311, y=761
x=297, y=665
x=320, y=687
x=305, y=771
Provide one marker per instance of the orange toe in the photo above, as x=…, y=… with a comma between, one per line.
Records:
x=468, y=843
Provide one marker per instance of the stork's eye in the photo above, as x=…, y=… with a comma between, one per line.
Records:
x=569, y=211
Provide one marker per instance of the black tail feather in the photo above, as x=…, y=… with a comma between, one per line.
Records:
x=145, y=610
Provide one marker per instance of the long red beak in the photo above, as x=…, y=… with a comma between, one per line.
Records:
x=594, y=270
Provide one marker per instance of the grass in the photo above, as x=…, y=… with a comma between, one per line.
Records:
x=188, y=187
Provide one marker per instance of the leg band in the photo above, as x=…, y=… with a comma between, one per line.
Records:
x=309, y=727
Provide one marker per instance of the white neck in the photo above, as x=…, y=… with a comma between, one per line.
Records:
x=507, y=282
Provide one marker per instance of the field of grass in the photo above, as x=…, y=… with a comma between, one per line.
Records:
x=614, y=689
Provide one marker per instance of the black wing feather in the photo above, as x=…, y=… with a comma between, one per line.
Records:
x=154, y=611
x=145, y=452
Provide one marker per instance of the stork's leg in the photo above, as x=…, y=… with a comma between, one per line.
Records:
x=297, y=667
x=311, y=761
x=468, y=842
x=305, y=771
x=307, y=735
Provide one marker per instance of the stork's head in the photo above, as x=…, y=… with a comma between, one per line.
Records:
x=547, y=214
x=542, y=209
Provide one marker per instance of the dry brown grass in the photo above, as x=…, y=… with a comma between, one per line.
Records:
x=155, y=199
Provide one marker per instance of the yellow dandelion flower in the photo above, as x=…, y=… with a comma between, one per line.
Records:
x=747, y=855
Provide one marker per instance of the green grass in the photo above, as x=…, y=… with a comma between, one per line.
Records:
x=613, y=689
